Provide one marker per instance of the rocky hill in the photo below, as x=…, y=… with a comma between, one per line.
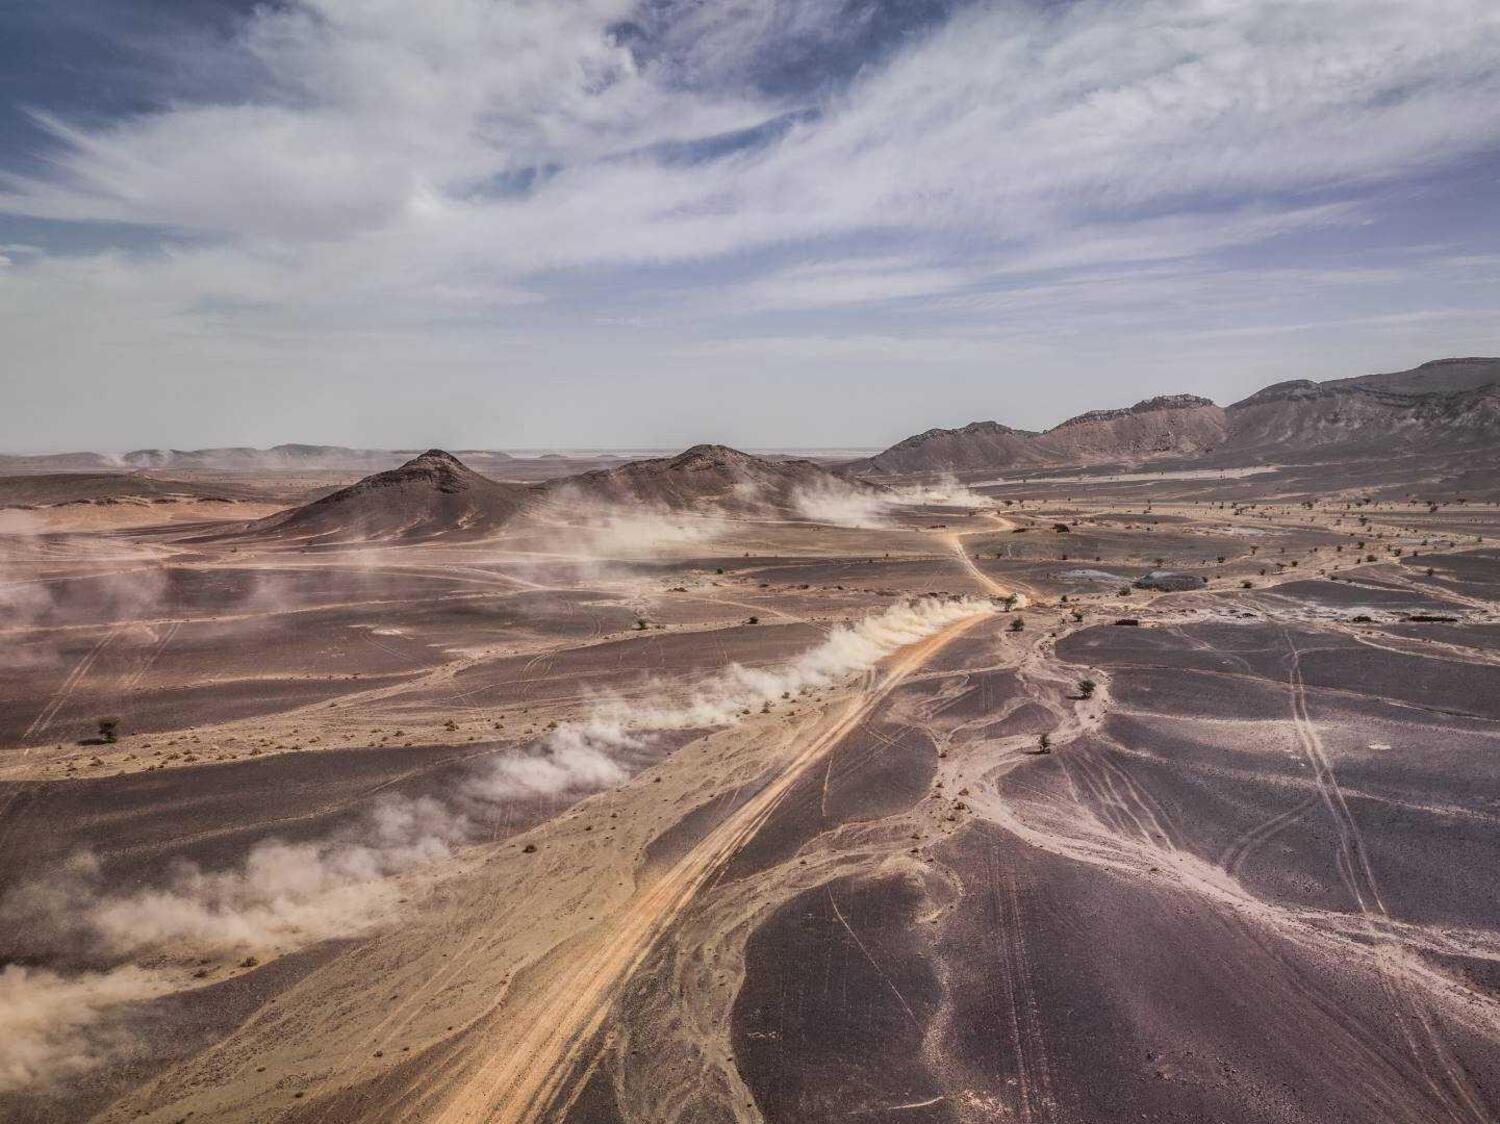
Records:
x=1172, y=425
x=432, y=496
x=1351, y=418
x=1168, y=426
x=704, y=476
x=1441, y=376
x=977, y=446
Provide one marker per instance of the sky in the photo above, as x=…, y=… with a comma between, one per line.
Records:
x=633, y=223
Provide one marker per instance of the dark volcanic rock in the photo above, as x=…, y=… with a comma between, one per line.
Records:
x=705, y=476
x=430, y=496
x=978, y=445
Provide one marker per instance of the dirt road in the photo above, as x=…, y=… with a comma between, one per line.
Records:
x=539, y=1045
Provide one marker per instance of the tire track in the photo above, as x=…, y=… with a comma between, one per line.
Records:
x=527, y=1071
x=80, y=670
x=1249, y=842
x=1441, y=1070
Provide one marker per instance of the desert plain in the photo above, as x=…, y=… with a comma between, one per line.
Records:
x=1098, y=795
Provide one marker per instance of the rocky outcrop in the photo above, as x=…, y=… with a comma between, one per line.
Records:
x=431, y=496
x=705, y=476
x=1354, y=418
x=1173, y=425
x=1444, y=405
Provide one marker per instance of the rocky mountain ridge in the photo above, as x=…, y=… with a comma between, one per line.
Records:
x=1447, y=403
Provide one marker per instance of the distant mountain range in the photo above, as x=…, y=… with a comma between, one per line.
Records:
x=1445, y=405
x=1448, y=407
x=279, y=458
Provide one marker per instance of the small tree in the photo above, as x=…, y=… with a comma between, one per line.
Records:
x=1017, y=624
x=109, y=729
x=1086, y=688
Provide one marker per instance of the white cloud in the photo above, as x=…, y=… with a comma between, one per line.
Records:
x=408, y=167
x=390, y=117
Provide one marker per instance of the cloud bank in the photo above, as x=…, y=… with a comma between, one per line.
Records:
x=600, y=188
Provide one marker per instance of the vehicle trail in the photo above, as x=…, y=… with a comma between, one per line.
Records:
x=549, y=1029
x=955, y=540
x=80, y=670
x=1442, y=1072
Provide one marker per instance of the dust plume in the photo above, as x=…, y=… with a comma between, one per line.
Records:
x=50, y=1025
x=832, y=501
x=571, y=762
x=842, y=504
x=286, y=895
x=282, y=895
x=724, y=699
x=945, y=491
x=644, y=531
x=596, y=531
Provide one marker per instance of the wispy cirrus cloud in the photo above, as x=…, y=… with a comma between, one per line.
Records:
x=410, y=167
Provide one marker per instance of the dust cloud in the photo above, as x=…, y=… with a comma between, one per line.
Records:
x=843, y=505
x=286, y=895
x=53, y=1026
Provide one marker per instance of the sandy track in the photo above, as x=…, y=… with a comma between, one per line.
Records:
x=539, y=1045
x=955, y=542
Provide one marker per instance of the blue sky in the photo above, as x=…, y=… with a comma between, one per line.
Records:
x=651, y=222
